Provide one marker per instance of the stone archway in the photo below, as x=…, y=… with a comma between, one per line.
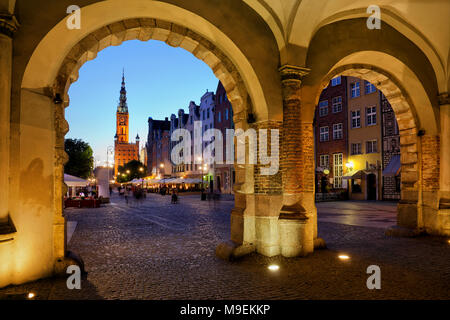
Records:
x=418, y=208
x=146, y=29
x=49, y=101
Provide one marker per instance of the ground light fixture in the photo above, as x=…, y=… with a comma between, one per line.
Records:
x=30, y=295
x=343, y=257
x=273, y=267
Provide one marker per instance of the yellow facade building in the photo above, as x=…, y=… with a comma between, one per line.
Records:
x=364, y=141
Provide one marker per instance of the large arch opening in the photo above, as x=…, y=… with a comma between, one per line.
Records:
x=417, y=131
x=43, y=85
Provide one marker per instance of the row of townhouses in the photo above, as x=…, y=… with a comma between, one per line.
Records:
x=214, y=111
x=357, y=142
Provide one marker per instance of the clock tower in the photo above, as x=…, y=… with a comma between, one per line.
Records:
x=122, y=115
x=124, y=151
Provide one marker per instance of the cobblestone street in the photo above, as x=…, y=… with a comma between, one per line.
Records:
x=158, y=250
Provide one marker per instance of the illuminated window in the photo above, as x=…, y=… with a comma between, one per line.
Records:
x=337, y=104
x=356, y=148
x=336, y=81
x=337, y=169
x=371, y=146
x=337, y=131
x=356, y=119
x=324, y=161
x=323, y=108
x=324, y=134
x=371, y=116
x=355, y=89
x=369, y=88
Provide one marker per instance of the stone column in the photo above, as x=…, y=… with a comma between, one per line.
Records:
x=243, y=186
x=443, y=220
x=297, y=220
x=268, y=193
x=444, y=102
x=8, y=25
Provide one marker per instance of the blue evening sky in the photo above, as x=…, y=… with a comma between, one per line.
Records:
x=159, y=80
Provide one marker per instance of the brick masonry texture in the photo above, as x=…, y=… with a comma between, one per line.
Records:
x=162, y=251
x=430, y=162
x=268, y=184
x=298, y=143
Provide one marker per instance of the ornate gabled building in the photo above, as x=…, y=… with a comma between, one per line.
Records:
x=158, y=148
x=124, y=151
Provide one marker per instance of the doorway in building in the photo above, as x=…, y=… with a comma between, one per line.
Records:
x=371, y=187
x=218, y=183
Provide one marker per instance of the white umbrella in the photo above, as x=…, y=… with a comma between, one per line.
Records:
x=72, y=181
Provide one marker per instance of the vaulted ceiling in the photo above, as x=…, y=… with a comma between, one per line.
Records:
x=424, y=22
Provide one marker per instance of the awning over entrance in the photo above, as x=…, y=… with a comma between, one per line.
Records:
x=393, y=168
x=354, y=174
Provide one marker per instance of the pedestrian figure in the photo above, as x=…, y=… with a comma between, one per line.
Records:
x=174, y=196
x=203, y=196
x=126, y=195
x=138, y=195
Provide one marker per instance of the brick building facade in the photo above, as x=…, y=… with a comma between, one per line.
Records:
x=331, y=136
x=223, y=120
x=390, y=150
x=158, y=148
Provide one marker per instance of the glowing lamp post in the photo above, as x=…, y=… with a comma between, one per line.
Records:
x=349, y=165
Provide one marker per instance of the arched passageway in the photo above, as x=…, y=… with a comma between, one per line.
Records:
x=273, y=71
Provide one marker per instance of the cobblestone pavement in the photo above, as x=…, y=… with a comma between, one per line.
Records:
x=158, y=250
x=379, y=214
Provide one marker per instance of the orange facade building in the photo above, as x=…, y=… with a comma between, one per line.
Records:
x=124, y=151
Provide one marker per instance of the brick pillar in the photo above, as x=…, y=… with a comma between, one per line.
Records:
x=297, y=218
x=428, y=217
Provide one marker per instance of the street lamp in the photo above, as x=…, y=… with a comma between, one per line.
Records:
x=162, y=167
x=349, y=165
x=141, y=169
x=205, y=167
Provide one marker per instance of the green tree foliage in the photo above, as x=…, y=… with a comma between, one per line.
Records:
x=81, y=161
x=132, y=170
